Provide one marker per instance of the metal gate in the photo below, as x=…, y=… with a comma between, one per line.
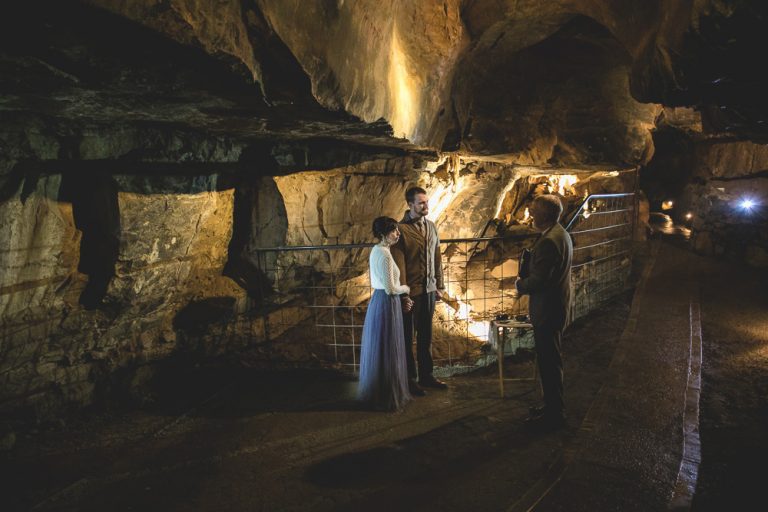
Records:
x=601, y=230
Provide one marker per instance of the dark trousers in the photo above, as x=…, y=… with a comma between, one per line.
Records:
x=419, y=319
x=550, y=363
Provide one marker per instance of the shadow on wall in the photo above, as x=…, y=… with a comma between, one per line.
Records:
x=97, y=216
x=195, y=319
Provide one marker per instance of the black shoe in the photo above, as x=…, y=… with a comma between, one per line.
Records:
x=537, y=410
x=415, y=389
x=546, y=422
x=432, y=382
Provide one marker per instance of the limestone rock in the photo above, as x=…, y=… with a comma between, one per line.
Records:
x=730, y=159
x=723, y=227
x=218, y=28
x=38, y=248
x=472, y=200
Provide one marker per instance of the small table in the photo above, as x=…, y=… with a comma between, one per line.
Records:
x=500, y=340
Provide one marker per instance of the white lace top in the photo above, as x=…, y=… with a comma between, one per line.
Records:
x=384, y=273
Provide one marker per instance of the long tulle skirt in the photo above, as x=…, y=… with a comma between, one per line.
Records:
x=383, y=371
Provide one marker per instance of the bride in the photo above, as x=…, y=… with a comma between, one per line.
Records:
x=383, y=371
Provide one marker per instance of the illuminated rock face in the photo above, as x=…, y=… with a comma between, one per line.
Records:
x=444, y=74
x=73, y=310
x=39, y=242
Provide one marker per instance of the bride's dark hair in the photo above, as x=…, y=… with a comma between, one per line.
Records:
x=382, y=226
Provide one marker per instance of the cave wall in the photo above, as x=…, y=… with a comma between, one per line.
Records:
x=105, y=274
x=576, y=110
x=724, y=174
x=39, y=243
x=61, y=339
x=427, y=67
x=103, y=277
x=435, y=71
x=400, y=69
x=106, y=277
x=708, y=176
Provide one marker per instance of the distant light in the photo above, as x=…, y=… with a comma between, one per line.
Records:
x=747, y=204
x=667, y=205
x=689, y=216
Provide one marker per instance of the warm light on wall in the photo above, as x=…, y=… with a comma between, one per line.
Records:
x=403, y=90
x=464, y=309
x=478, y=329
x=475, y=328
x=502, y=196
x=458, y=306
x=440, y=198
x=562, y=183
x=667, y=205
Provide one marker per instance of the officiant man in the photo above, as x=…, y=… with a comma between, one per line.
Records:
x=549, y=286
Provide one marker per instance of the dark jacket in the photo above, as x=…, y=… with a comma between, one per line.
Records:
x=549, y=282
x=418, y=257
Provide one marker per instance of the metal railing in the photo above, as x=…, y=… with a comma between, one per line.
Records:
x=319, y=294
x=601, y=229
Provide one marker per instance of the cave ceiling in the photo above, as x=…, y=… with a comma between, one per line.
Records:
x=308, y=83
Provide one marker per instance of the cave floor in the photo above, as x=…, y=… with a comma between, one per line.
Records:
x=217, y=438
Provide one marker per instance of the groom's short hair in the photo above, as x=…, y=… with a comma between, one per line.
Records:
x=411, y=193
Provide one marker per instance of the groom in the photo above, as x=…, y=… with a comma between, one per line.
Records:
x=417, y=255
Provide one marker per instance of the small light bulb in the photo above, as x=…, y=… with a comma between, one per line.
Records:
x=689, y=215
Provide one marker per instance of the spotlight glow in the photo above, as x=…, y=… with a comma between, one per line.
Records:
x=747, y=204
x=688, y=216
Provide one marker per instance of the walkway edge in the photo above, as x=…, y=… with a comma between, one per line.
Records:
x=689, y=466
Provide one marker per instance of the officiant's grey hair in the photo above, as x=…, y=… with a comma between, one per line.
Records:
x=550, y=205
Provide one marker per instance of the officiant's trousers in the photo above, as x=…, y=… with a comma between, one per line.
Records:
x=550, y=361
